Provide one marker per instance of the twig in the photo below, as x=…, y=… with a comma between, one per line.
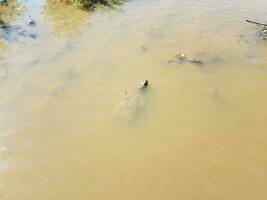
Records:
x=260, y=24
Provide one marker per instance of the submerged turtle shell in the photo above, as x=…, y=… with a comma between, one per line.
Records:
x=131, y=105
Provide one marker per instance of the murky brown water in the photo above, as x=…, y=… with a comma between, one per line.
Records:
x=199, y=134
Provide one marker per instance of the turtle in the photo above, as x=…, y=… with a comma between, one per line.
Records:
x=181, y=58
x=30, y=21
x=132, y=103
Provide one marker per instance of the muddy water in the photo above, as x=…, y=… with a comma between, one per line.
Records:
x=200, y=132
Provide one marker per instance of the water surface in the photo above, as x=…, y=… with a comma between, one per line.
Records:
x=200, y=134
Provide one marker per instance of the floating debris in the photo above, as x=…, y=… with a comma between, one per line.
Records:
x=178, y=59
x=257, y=23
x=263, y=33
x=196, y=62
x=181, y=58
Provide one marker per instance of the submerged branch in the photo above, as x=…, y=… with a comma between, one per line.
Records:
x=257, y=23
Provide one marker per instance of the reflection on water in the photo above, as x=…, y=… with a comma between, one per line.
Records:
x=65, y=20
x=3, y=48
x=9, y=10
x=198, y=131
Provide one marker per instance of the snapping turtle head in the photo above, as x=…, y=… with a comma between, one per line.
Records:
x=143, y=84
